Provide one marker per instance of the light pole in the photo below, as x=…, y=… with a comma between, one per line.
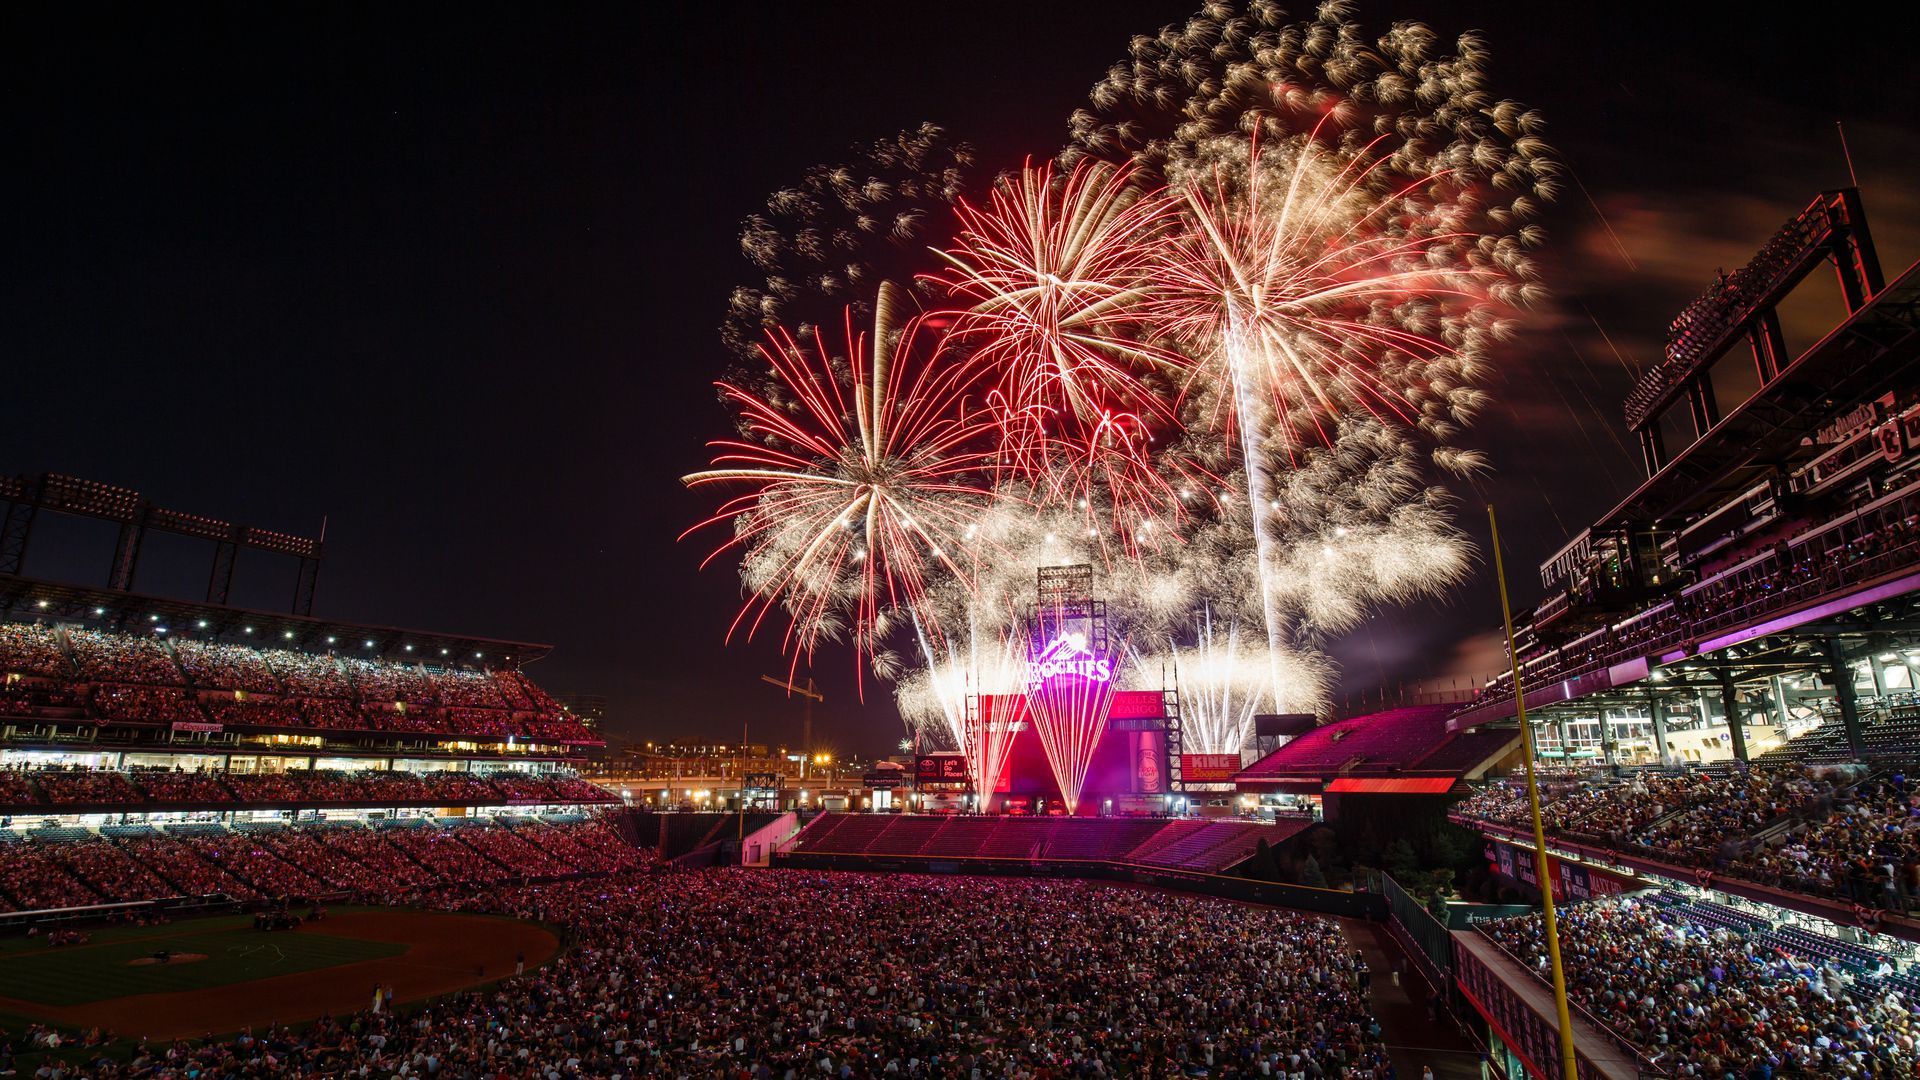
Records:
x=1569, y=1066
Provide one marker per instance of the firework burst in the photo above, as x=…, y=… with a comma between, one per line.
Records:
x=1052, y=272
x=860, y=491
x=1223, y=352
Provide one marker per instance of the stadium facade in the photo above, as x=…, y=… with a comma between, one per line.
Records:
x=154, y=749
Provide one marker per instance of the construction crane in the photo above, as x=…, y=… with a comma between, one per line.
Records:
x=809, y=695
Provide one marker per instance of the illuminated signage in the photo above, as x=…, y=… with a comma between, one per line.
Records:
x=1068, y=655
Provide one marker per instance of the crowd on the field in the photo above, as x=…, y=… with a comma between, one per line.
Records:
x=301, y=862
x=1709, y=1002
x=738, y=974
x=1827, y=832
x=140, y=787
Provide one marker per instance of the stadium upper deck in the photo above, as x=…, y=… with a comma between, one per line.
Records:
x=64, y=682
x=1767, y=570
x=88, y=672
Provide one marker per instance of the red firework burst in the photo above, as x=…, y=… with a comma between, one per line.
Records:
x=863, y=479
x=1054, y=271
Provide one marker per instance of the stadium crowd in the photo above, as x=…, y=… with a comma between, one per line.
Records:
x=857, y=976
x=1709, y=1002
x=1828, y=833
x=1867, y=849
x=301, y=862
x=123, y=658
x=134, y=679
x=32, y=650
x=147, y=787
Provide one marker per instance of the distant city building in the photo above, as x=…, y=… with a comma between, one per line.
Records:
x=590, y=708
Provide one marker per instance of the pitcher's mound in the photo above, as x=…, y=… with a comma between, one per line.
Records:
x=171, y=959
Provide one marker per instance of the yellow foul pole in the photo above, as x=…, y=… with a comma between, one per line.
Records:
x=1568, y=1067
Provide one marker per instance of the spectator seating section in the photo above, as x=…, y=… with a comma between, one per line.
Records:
x=129, y=679
x=79, y=868
x=1814, y=830
x=1827, y=557
x=1206, y=846
x=80, y=790
x=1675, y=980
x=1412, y=740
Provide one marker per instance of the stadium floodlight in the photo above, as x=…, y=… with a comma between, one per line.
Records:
x=99, y=611
x=42, y=605
x=288, y=634
x=248, y=630
x=153, y=618
x=329, y=639
x=202, y=624
x=476, y=656
x=409, y=648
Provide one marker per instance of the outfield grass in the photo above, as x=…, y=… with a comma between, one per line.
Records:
x=235, y=952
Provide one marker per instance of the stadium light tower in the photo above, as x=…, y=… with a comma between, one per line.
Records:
x=809, y=695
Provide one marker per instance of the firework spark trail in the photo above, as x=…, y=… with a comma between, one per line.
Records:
x=1259, y=503
x=1322, y=284
x=991, y=727
x=1224, y=681
x=1329, y=289
x=1275, y=289
x=949, y=680
x=941, y=698
x=861, y=494
x=1217, y=700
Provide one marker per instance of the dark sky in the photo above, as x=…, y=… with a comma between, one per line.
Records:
x=453, y=280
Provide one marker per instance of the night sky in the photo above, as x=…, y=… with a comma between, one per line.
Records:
x=453, y=282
